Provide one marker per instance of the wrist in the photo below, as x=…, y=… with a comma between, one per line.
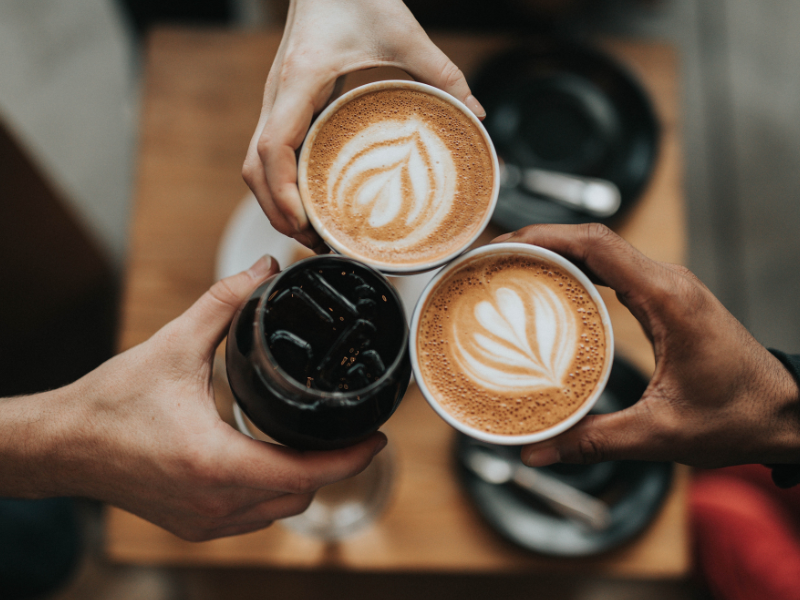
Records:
x=36, y=439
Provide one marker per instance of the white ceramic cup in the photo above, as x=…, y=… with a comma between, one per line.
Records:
x=302, y=177
x=543, y=255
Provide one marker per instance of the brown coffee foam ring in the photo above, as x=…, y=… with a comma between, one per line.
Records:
x=474, y=176
x=508, y=413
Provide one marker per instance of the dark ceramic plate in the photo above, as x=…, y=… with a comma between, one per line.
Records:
x=570, y=108
x=634, y=490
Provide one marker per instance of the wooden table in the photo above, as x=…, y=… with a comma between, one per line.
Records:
x=202, y=97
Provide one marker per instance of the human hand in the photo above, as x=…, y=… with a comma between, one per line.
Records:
x=142, y=432
x=324, y=40
x=717, y=396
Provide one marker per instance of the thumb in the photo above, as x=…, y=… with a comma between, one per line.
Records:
x=207, y=320
x=608, y=260
x=624, y=435
x=426, y=63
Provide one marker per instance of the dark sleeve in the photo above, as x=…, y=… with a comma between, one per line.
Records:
x=786, y=476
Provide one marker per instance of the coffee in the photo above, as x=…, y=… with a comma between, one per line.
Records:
x=511, y=344
x=398, y=177
x=317, y=358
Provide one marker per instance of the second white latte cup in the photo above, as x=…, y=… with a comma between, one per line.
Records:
x=381, y=159
x=512, y=250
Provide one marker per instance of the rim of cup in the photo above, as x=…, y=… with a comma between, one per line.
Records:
x=302, y=174
x=548, y=256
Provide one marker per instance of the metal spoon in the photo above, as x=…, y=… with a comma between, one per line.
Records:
x=596, y=197
x=562, y=498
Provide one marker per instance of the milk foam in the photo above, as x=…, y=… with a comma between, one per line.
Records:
x=394, y=173
x=399, y=176
x=525, y=340
x=510, y=344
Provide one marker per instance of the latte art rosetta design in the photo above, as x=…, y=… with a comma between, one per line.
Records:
x=521, y=338
x=396, y=177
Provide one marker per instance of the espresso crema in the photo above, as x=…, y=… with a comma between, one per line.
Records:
x=510, y=344
x=399, y=177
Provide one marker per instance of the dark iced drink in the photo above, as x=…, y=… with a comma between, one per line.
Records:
x=318, y=356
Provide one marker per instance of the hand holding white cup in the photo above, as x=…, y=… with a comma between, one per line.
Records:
x=399, y=175
x=511, y=344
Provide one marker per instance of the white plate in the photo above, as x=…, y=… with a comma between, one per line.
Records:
x=249, y=235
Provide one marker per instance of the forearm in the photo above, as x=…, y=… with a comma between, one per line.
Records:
x=35, y=443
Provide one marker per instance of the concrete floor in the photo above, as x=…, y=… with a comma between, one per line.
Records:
x=68, y=86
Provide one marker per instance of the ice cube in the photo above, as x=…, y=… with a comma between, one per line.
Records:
x=293, y=298
x=357, y=377
x=342, y=354
x=293, y=353
x=372, y=363
x=365, y=291
x=362, y=288
x=366, y=308
x=326, y=294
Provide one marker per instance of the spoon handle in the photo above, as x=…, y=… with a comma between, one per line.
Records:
x=597, y=197
x=564, y=499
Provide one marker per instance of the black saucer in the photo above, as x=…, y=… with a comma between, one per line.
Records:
x=634, y=490
x=566, y=107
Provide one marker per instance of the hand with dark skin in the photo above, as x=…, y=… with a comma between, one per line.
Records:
x=142, y=432
x=717, y=396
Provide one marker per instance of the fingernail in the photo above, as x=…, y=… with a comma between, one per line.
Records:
x=505, y=236
x=541, y=457
x=380, y=446
x=262, y=267
x=475, y=106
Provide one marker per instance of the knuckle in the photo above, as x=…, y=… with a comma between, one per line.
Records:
x=302, y=504
x=297, y=504
x=192, y=531
x=294, y=61
x=665, y=428
x=249, y=172
x=223, y=293
x=451, y=75
x=213, y=508
x=693, y=297
x=283, y=228
x=680, y=295
x=302, y=62
x=302, y=483
x=170, y=338
x=199, y=469
x=590, y=451
x=265, y=145
x=683, y=271
x=597, y=234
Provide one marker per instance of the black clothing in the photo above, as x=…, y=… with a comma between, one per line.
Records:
x=786, y=476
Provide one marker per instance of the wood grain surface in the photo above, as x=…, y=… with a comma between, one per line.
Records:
x=202, y=98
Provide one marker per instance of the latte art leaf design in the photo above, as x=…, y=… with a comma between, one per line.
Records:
x=522, y=338
x=397, y=176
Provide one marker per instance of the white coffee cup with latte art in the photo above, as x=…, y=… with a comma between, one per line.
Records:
x=511, y=344
x=399, y=175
